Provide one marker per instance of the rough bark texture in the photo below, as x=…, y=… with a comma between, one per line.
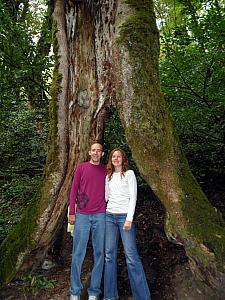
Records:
x=108, y=56
x=191, y=220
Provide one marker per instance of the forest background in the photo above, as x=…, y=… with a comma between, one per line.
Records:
x=192, y=68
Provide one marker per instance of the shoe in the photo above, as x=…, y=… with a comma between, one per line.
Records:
x=74, y=297
x=93, y=298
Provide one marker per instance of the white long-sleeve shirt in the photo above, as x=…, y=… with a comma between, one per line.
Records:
x=121, y=194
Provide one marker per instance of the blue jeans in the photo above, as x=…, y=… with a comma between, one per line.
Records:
x=139, y=286
x=85, y=223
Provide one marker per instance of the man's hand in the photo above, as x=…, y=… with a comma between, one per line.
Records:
x=71, y=219
x=127, y=225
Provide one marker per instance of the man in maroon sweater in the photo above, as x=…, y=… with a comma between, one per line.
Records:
x=87, y=212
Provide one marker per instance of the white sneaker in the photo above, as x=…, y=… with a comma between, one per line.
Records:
x=74, y=297
x=93, y=298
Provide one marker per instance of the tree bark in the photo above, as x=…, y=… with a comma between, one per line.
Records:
x=107, y=56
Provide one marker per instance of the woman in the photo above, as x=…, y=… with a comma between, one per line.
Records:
x=121, y=195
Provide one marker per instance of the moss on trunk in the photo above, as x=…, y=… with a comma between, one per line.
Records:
x=191, y=218
x=17, y=244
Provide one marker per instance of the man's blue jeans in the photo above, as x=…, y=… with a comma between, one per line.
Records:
x=85, y=223
x=139, y=286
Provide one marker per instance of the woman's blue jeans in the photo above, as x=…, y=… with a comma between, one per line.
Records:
x=138, y=283
x=83, y=225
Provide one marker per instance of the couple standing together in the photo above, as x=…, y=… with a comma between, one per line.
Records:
x=93, y=186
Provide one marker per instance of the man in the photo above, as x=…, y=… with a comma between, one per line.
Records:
x=87, y=212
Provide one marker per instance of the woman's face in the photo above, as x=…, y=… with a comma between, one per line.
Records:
x=117, y=159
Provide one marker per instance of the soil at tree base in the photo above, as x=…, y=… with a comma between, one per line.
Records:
x=159, y=257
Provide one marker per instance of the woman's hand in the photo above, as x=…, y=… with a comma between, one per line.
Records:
x=127, y=225
x=71, y=219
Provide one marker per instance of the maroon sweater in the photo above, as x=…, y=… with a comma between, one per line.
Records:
x=88, y=189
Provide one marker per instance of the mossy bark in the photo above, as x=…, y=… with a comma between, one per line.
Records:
x=76, y=111
x=109, y=58
x=158, y=152
x=191, y=219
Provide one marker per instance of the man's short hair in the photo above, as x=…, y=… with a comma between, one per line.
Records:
x=96, y=142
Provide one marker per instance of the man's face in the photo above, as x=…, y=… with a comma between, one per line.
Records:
x=96, y=153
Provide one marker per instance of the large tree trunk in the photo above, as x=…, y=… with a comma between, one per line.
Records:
x=107, y=56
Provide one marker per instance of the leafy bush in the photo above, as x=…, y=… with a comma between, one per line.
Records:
x=36, y=282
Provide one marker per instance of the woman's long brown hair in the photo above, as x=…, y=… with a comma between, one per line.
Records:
x=110, y=167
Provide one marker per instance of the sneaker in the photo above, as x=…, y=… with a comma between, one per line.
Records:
x=74, y=297
x=93, y=298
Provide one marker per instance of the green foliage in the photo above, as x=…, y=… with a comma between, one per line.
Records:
x=22, y=145
x=22, y=141
x=192, y=74
x=25, y=71
x=33, y=283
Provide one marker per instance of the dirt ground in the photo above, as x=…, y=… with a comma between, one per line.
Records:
x=159, y=258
